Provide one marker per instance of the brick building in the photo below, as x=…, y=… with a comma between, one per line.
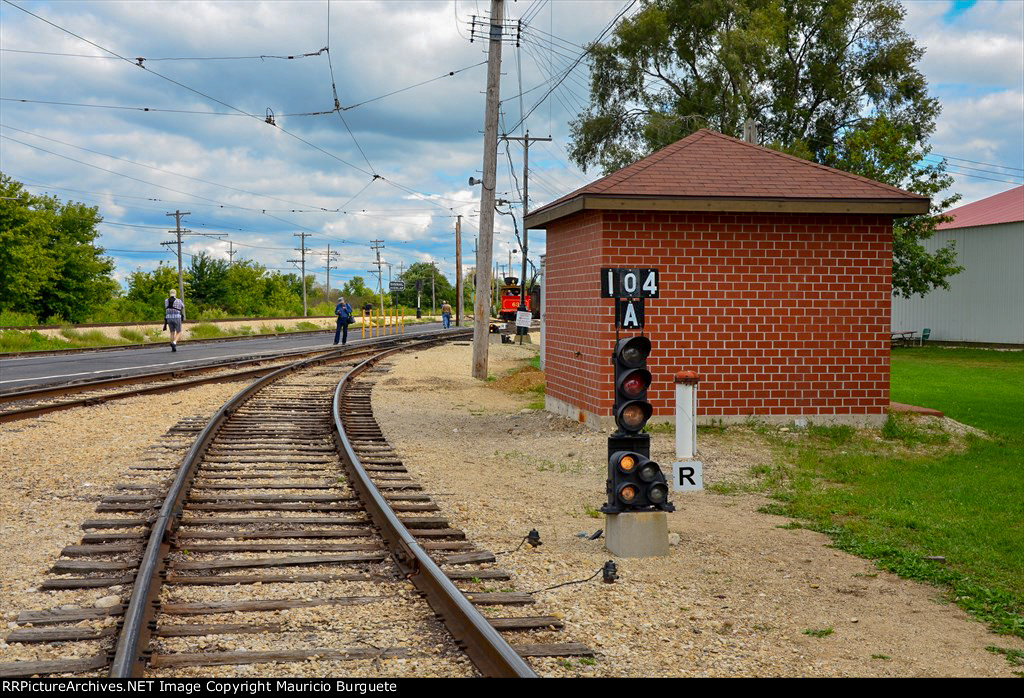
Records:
x=775, y=282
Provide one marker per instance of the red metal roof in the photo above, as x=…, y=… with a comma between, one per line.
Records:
x=708, y=164
x=1007, y=207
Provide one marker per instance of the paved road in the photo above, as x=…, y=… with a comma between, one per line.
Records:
x=29, y=372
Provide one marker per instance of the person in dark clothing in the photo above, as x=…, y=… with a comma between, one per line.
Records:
x=344, y=312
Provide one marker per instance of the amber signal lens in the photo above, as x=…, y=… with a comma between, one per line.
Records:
x=633, y=417
x=627, y=463
x=627, y=494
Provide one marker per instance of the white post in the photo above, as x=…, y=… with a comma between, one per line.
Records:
x=687, y=473
x=686, y=414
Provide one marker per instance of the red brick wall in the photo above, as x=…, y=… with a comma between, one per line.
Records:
x=781, y=314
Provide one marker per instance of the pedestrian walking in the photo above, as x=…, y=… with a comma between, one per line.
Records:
x=174, y=317
x=344, y=312
x=446, y=315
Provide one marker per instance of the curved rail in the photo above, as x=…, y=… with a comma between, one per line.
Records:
x=491, y=654
x=128, y=661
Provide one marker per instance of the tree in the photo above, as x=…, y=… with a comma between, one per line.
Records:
x=425, y=272
x=49, y=262
x=833, y=81
x=208, y=278
x=147, y=291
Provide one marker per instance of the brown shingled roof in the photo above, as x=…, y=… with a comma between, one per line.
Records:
x=707, y=165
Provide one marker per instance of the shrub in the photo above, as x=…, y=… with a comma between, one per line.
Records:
x=10, y=318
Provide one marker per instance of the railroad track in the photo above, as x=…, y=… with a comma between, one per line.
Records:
x=289, y=504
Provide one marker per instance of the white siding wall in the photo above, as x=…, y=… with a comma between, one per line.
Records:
x=985, y=302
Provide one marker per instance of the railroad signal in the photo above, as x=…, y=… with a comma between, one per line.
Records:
x=632, y=379
x=635, y=482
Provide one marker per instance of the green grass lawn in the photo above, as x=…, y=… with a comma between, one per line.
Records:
x=916, y=492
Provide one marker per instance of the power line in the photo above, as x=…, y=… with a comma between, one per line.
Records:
x=174, y=58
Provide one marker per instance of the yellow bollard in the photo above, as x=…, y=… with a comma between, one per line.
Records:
x=364, y=326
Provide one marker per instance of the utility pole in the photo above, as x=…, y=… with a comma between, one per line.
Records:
x=377, y=247
x=302, y=238
x=526, y=206
x=458, y=271
x=231, y=253
x=433, y=296
x=481, y=307
x=178, y=231
x=328, y=258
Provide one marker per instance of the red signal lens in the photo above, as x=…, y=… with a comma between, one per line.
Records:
x=634, y=386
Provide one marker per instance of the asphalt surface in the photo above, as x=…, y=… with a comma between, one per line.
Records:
x=36, y=371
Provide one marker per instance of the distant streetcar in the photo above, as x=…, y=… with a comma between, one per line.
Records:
x=509, y=295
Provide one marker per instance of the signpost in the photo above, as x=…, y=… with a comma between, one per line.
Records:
x=398, y=286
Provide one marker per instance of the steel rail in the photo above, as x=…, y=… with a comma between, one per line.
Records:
x=487, y=649
x=136, y=629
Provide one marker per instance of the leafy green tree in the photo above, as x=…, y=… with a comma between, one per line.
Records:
x=422, y=271
x=880, y=151
x=49, y=262
x=357, y=293
x=147, y=291
x=207, y=280
x=833, y=81
x=25, y=265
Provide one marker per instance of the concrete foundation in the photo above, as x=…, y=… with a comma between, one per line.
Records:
x=637, y=534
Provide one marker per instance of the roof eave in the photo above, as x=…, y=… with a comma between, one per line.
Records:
x=898, y=208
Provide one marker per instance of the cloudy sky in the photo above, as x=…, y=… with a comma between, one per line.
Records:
x=393, y=166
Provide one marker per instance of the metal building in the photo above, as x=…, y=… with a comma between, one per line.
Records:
x=985, y=302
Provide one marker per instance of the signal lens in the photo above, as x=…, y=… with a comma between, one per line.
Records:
x=627, y=463
x=632, y=356
x=657, y=493
x=633, y=387
x=649, y=473
x=633, y=417
x=628, y=494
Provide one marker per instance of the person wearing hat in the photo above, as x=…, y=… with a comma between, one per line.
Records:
x=174, y=316
x=344, y=313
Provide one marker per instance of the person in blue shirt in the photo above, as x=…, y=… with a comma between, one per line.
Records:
x=344, y=312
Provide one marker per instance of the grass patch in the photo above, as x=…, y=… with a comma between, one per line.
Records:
x=205, y=330
x=661, y=428
x=911, y=491
x=133, y=336
x=305, y=326
x=823, y=632
x=592, y=512
x=88, y=338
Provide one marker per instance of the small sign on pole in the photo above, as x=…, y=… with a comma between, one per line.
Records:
x=396, y=286
x=688, y=476
x=524, y=318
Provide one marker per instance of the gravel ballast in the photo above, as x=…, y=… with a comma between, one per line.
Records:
x=737, y=595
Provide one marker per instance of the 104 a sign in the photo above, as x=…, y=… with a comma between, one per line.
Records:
x=620, y=282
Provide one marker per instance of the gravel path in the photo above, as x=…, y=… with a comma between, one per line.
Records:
x=734, y=597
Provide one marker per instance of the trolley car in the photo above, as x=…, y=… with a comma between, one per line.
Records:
x=509, y=295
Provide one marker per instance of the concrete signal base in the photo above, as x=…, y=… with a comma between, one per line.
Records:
x=637, y=534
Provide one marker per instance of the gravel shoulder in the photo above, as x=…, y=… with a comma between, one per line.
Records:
x=733, y=598
x=55, y=469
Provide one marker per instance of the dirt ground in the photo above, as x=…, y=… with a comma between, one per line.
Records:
x=737, y=596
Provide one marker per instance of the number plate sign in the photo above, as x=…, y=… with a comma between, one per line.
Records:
x=396, y=286
x=619, y=282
